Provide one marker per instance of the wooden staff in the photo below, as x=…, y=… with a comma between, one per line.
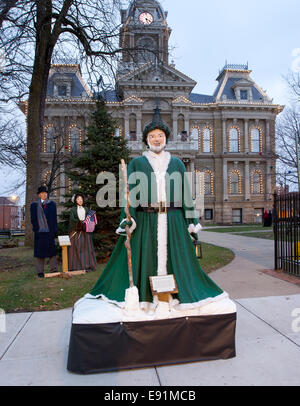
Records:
x=128, y=218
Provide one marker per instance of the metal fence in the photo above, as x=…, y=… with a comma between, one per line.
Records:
x=286, y=218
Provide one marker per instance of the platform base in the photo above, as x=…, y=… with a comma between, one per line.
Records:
x=96, y=348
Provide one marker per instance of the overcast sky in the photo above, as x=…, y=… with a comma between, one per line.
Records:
x=263, y=33
x=205, y=34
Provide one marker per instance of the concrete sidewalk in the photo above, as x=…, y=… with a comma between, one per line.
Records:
x=34, y=349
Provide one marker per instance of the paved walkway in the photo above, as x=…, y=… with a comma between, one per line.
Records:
x=34, y=349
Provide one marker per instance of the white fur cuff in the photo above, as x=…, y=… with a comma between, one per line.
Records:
x=131, y=229
x=195, y=229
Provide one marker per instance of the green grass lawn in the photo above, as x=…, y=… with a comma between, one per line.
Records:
x=238, y=228
x=267, y=235
x=21, y=290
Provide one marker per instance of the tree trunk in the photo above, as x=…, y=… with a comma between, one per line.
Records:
x=35, y=114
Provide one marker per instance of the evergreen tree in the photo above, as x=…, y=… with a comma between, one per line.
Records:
x=102, y=152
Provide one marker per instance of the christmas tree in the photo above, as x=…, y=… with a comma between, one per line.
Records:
x=101, y=152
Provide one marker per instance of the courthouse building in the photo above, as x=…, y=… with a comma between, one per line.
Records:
x=226, y=139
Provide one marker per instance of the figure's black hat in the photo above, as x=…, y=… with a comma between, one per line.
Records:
x=42, y=189
x=157, y=123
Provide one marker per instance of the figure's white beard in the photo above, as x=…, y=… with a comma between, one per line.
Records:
x=157, y=149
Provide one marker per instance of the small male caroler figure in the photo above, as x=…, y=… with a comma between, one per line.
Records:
x=161, y=228
x=44, y=224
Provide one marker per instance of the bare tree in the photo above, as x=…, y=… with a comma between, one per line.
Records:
x=288, y=137
x=32, y=32
x=29, y=34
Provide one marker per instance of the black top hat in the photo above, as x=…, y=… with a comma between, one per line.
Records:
x=42, y=189
x=157, y=123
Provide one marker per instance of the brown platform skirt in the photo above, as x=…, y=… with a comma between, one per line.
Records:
x=81, y=253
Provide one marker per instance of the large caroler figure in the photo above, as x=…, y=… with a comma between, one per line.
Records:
x=161, y=227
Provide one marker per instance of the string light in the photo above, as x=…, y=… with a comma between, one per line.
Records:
x=46, y=128
x=260, y=139
x=210, y=138
x=73, y=126
x=211, y=175
x=54, y=183
x=261, y=184
x=239, y=138
x=238, y=173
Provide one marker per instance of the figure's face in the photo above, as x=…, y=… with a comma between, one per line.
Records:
x=43, y=195
x=156, y=140
x=79, y=201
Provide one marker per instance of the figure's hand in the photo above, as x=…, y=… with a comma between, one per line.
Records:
x=194, y=230
x=126, y=223
x=122, y=227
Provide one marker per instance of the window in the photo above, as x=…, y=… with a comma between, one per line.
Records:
x=244, y=94
x=234, y=140
x=235, y=183
x=208, y=214
x=255, y=140
x=237, y=216
x=75, y=140
x=62, y=90
x=133, y=136
x=257, y=182
x=207, y=182
x=50, y=142
x=258, y=216
x=207, y=140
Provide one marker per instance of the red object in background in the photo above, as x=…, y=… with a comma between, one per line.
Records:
x=9, y=214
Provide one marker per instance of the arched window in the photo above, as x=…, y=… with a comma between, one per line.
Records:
x=234, y=140
x=208, y=183
x=118, y=132
x=49, y=139
x=132, y=127
x=74, y=139
x=207, y=140
x=257, y=183
x=50, y=183
x=195, y=135
x=235, y=183
x=255, y=140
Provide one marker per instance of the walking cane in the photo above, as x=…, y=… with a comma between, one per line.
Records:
x=131, y=294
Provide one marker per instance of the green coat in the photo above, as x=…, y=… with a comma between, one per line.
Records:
x=193, y=284
x=74, y=220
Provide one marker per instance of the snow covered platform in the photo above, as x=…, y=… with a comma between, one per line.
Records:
x=104, y=338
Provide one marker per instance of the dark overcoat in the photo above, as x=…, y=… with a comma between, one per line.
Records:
x=44, y=243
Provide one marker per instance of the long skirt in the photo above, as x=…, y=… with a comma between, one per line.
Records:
x=81, y=253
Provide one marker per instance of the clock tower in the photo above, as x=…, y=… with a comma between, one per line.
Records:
x=144, y=35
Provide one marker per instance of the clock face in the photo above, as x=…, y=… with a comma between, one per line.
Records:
x=146, y=18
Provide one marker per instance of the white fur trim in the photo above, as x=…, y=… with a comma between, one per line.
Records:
x=87, y=310
x=131, y=229
x=195, y=229
x=160, y=163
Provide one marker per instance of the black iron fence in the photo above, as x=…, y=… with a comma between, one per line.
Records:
x=287, y=232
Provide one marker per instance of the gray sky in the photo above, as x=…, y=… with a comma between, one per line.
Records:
x=261, y=32
x=205, y=34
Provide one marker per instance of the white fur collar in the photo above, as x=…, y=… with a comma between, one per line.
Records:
x=159, y=162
